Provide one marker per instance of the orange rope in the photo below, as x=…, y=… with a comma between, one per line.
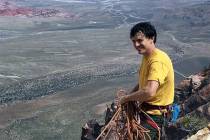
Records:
x=108, y=125
x=127, y=125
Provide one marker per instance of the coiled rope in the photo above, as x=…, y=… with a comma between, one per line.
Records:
x=127, y=124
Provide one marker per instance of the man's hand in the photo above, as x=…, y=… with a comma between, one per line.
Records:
x=120, y=93
x=123, y=100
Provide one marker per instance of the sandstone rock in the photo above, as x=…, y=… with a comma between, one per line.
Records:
x=196, y=81
x=203, y=134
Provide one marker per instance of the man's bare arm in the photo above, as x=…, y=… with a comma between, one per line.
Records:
x=142, y=94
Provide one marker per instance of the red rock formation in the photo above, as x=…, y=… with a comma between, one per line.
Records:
x=184, y=85
x=10, y=9
x=205, y=92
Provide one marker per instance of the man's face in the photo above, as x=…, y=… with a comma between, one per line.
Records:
x=141, y=43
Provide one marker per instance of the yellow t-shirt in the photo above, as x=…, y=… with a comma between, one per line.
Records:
x=158, y=67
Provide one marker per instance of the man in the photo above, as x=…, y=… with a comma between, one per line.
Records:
x=155, y=89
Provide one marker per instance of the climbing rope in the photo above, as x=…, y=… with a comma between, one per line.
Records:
x=126, y=124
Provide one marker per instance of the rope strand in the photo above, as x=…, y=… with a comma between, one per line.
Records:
x=127, y=123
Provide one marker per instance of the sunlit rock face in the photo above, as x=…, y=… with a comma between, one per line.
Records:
x=203, y=134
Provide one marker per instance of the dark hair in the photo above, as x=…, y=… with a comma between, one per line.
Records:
x=146, y=28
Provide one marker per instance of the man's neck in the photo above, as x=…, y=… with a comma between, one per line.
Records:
x=150, y=51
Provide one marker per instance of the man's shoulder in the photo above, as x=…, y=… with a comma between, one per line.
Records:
x=162, y=53
x=161, y=56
